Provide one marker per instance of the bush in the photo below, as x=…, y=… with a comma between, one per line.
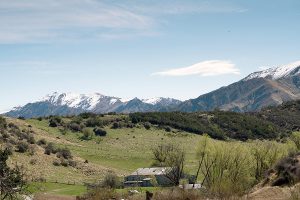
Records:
x=30, y=139
x=100, y=132
x=87, y=134
x=87, y=115
x=115, y=125
x=72, y=163
x=50, y=148
x=111, y=181
x=64, y=153
x=75, y=127
x=64, y=163
x=32, y=150
x=9, y=149
x=42, y=142
x=55, y=121
x=3, y=124
x=33, y=161
x=147, y=125
x=93, y=122
x=56, y=163
x=168, y=129
x=22, y=146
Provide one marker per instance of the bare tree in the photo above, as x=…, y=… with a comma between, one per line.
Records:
x=202, y=153
x=173, y=158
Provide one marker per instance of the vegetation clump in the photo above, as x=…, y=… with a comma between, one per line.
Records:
x=217, y=124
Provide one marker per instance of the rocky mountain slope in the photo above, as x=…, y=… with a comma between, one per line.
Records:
x=258, y=90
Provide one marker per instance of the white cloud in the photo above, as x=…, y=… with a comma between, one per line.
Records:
x=205, y=68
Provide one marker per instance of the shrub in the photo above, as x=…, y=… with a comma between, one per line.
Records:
x=64, y=153
x=50, y=148
x=42, y=142
x=32, y=150
x=168, y=129
x=115, y=125
x=100, y=132
x=55, y=121
x=111, y=180
x=5, y=136
x=72, y=163
x=56, y=163
x=30, y=139
x=87, y=115
x=87, y=134
x=64, y=162
x=147, y=125
x=22, y=146
x=33, y=161
x=93, y=122
x=12, y=125
x=9, y=149
x=3, y=124
x=75, y=127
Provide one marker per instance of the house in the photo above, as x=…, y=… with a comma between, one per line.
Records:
x=148, y=177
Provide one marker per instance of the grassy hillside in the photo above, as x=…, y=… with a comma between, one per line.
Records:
x=128, y=142
x=123, y=150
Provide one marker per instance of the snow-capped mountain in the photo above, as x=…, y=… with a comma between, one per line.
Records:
x=72, y=103
x=278, y=72
x=87, y=102
x=258, y=90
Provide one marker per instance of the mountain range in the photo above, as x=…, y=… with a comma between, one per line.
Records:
x=269, y=87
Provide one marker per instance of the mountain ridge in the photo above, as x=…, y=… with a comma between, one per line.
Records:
x=270, y=87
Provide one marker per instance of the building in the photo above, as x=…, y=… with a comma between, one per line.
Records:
x=148, y=177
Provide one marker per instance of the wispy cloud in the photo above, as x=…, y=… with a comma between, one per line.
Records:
x=183, y=7
x=44, y=21
x=205, y=68
x=34, y=20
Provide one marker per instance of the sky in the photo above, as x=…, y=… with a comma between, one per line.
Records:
x=140, y=48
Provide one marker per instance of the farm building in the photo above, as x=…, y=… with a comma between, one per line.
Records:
x=148, y=177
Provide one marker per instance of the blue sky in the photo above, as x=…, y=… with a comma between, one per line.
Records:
x=140, y=48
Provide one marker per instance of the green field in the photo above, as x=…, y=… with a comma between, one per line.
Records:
x=57, y=189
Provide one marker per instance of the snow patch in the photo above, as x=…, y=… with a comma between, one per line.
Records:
x=152, y=101
x=74, y=100
x=276, y=73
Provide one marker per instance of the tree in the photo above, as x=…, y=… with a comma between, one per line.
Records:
x=201, y=154
x=12, y=181
x=173, y=158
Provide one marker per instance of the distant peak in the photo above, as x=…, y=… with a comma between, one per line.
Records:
x=153, y=100
x=278, y=72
